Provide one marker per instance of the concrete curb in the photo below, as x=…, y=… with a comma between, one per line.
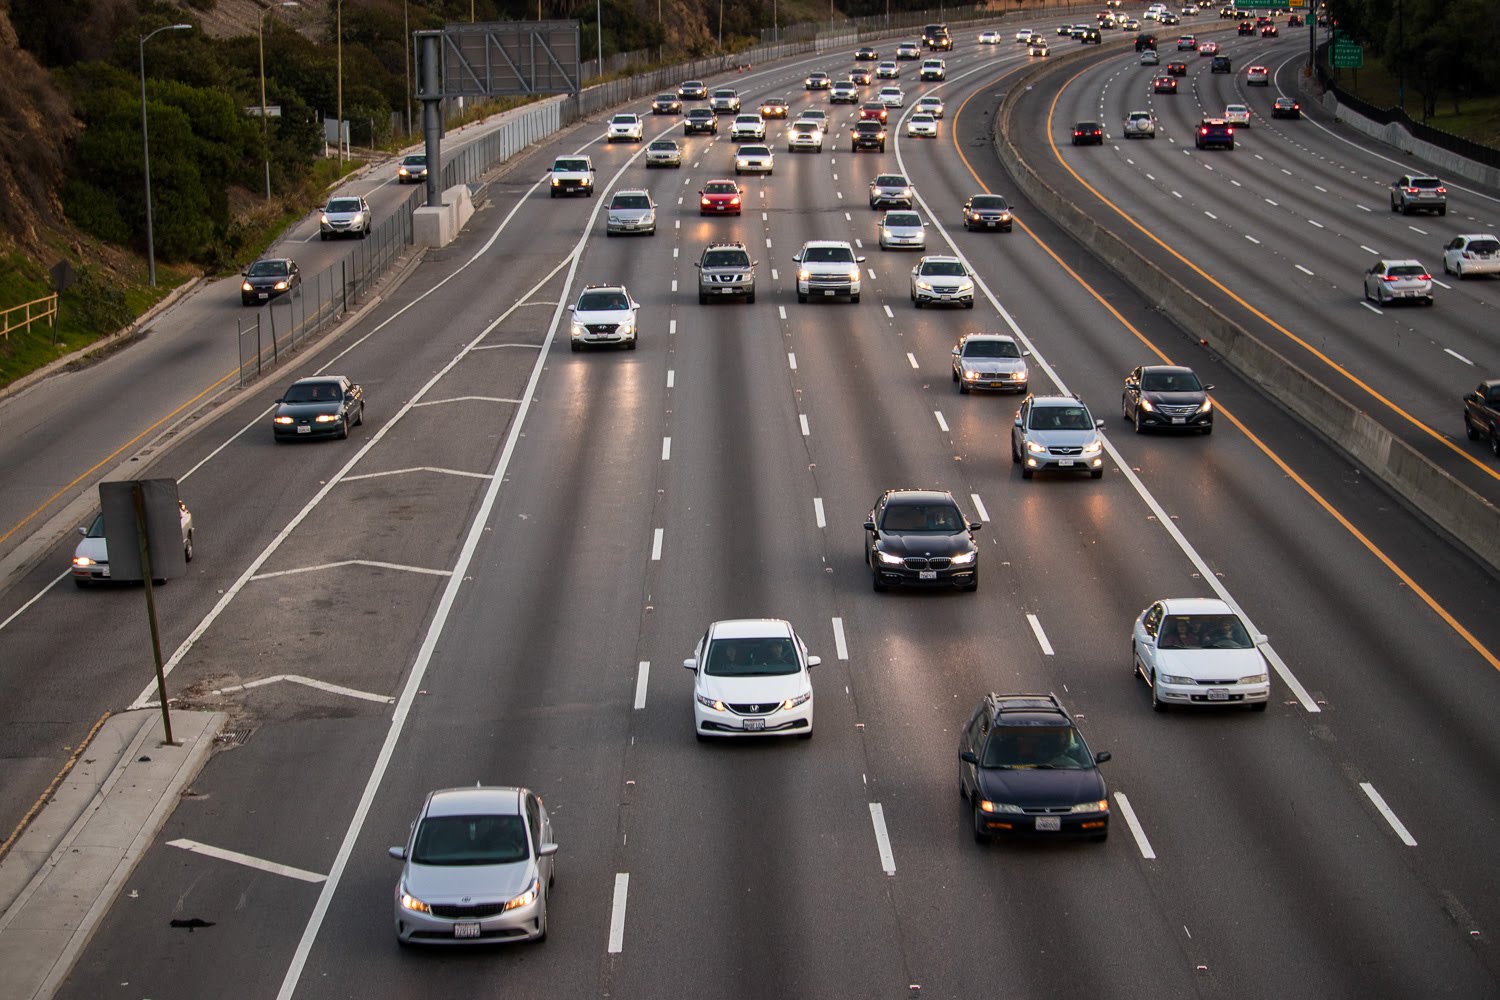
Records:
x=85, y=845
x=1465, y=515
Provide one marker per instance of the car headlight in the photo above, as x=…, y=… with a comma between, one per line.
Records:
x=1036, y=447
x=1173, y=679
x=926, y=286
x=1253, y=679
x=410, y=902
x=966, y=286
x=1019, y=376
x=971, y=375
x=526, y=898
x=323, y=218
x=247, y=287
x=1099, y=806
x=801, y=699
x=82, y=561
x=325, y=418
x=703, y=202
x=985, y=805
x=965, y=558
x=887, y=559
x=283, y=421
x=804, y=274
x=1146, y=405
x=1093, y=447
x=281, y=286
x=1207, y=406
x=401, y=171
x=853, y=274
x=904, y=193
x=579, y=330
x=626, y=328
x=556, y=181
x=713, y=703
x=587, y=182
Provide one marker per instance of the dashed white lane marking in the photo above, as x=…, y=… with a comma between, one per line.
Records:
x=1286, y=171
x=1369, y=250
x=666, y=449
x=1150, y=177
x=984, y=515
x=773, y=275
x=1372, y=309
x=913, y=359
x=1303, y=270
x=1441, y=284
x=1136, y=830
x=791, y=359
x=671, y=377
x=1390, y=817
x=194, y=847
x=1176, y=194
x=1252, y=239
x=1419, y=232
x=641, y=673
x=679, y=199
x=840, y=648
x=763, y=215
x=677, y=223
x=1325, y=191
x=617, y=914
x=840, y=194
x=781, y=311
x=1272, y=203
x=802, y=419
x=1315, y=222
x=872, y=273
x=942, y=424
x=859, y=244
x=674, y=253
x=1235, y=183
x=674, y=284
x=671, y=326
x=1449, y=350
x=848, y=217
x=656, y=544
x=1041, y=636
x=882, y=839
x=768, y=242
x=888, y=313
x=1212, y=216
x=1357, y=205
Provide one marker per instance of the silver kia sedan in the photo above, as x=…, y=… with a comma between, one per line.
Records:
x=631, y=212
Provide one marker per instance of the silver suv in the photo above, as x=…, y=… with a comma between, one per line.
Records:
x=1418, y=193
x=725, y=270
x=827, y=268
x=1056, y=432
x=725, y=101
x=1140, y=123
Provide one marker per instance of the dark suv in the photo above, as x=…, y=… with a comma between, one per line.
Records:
x=867, y=135
x=921, y=538
x=1026, y=771
x=725, y=270
x=1214, y=132
x=1221, y=64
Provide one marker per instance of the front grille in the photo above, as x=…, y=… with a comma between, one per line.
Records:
x=727, y=279
x=917, y=562
x=1046, y=810
x=1070, y=449
x=478, y=911
x=757, y=708
x=600, y=327
x=1220, y=683
x=828, y=281
x=1177, y=411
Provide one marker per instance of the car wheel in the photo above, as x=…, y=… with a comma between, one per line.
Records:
x=1449, y=270
x=980, y=837
x=801, y=297
x=1469, y=431
x=876, y=585
x=969, y=304
x=750, y=299
x=1015, y=456
x=702, y=299
x=854, y=299
x=1157, y=705
x=344, y=429
x=631, y=346
x=970, y=588
x=916, y=303
x=187, y=547
x=954, y=373
x=700, y=736
x=609, y=232
x=575, y=346
x=323, y=236
x=805, y=736
x=1208, y=429
x=1495, y=441
x=541, y=931
x=1443, y=210
x=1027, y=472
x=1096, y=473
x=1260, y=706
x=1100, y=838
x=963, y=387
x=360, y=420
x=1136, y=421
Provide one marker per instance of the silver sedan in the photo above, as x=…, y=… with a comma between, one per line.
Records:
x=902, y=230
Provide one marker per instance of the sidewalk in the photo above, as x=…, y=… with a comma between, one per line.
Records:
x=63, y=874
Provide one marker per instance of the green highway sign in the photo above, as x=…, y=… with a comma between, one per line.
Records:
x=1259, y=4
x=1348, y=55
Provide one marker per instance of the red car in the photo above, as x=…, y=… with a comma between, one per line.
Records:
x=1165, y=85
x=1177, y=69
x=719, y=198
x=873, y=111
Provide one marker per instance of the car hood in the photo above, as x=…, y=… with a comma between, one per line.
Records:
x=992, y=364
x=1176, y=398
x=631, y=214
x=613, y=316
x=903, y=231
x=1210, y=664
x=752, y=690
x=267, y=280
x=344, y=216
x=987, y=213
x=468, y=883
x=1062, y=439
x=922, y=544
x=308, y=409
x=1037, y=787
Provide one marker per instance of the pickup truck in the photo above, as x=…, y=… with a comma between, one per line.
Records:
x=572, y=175
x=1482, y=414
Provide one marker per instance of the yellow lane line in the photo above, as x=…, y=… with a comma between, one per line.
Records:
x=1265, y=449
x=41, y=801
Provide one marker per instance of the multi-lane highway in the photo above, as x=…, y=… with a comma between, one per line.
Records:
x=497, y=577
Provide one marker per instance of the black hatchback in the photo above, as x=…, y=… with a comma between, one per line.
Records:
x=1167, y=396
x=920, y=538
x=1025, y=770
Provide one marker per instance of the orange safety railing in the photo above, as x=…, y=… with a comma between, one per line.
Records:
x=36, y=309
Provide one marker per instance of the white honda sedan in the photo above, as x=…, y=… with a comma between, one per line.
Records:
x=750, y=678
x=1197, y=651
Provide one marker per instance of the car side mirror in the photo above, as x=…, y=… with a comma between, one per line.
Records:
x=955, y=350
x=869, y=526
x=797, y=258
x=399, y=853
x=813, y=661
x=1102, y=756
x=1260, y=638
x=546, y=850
x=1018, y=420
x=690, y=663
x=755, y=263
x=1098, y=425
x=83, y=531
x=1208, y=388
x=859, y=260
x=1025, y=354
x=280, y=401
x=975, y=525
x=967, y=756
x=697, y=264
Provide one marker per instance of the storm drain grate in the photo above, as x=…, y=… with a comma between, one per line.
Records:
x=235, y=737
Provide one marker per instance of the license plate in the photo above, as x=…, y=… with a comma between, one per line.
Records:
x=1179, y=420
x=997, y=385
x=305, y=429
x=754, y=724
x=728, y=291
x=1048, y=823
x=104, y=572
x=1218, y=695
x=991, y=223
x=265, y=295
x=926, y=574
x=466, y=930
x=1064, y=462
x=830, y=292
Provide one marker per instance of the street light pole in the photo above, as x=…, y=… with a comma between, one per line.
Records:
x=721, y=25
x=146, y=147
x=264, y=133
x=599, y=15
x=338, y=126
x=406, y=45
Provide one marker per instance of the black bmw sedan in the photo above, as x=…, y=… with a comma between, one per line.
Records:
x=921, y=538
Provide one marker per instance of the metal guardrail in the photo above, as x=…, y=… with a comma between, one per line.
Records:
x=47, y=310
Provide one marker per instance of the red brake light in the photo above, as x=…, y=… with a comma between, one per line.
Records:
x=1203, y=131
x=1424, y=277
x=1442, y=190
x=1231, y=130
x=1411, y=190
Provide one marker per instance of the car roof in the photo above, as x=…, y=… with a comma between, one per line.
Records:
x=604, y=288
x=478, y=800
x=909, y=496
x=1196, y=606
x=751, y=628
x=1400, y=262
x=845, y=244
x=997, y=337
x=1166, y=369
x=321, y=379
x=1056, y=401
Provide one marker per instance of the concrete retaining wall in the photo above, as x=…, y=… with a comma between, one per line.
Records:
x=1449, y=164
x=1458, y=510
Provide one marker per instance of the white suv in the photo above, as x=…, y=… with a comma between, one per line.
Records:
x=827, y=268
x=626, y=127
x=750, y=678
x=934, y=69
x=1140, y=124
x=605, y=314
x=1056, y=432
x=747, y=127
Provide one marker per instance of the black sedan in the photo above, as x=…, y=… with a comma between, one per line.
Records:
x=1167, y=396
x=1088, y=134
x=319, y=406
x=666, y=104
x=987, y=211
x=267, y=278
x=1285, y=107
x=866, y=54
x=920, y=538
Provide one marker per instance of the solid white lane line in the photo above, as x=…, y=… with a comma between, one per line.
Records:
x=840, y=648
x=1390, y=817
x=913, y=359
x=802, y=419
x=1303, y=269
x=656, y=538
x=882, y=839
x=1315, y=222
x=641, y=673
x=781, y=311
x=666, y=449
x=791, y=359
x=888, y=313
x=1041, y=636
x=617, y=914
x=671, y=377
x=375, y=564
x=984, y=515
x=1369, y=250
x=671, y=326
x=818, y=512
x=1136, y=830
x=260, y=864
x=942, y=424
x=1252, y=239
x=1449, y=350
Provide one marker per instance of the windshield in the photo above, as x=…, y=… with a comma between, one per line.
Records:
x=624, y=119
x=1060, y=418
x=666, y=98
x=991, y=349
x=571, y=164
x=890, y=180
x=721, y=187
x=1484, y=246
x=1204, y=632
x=602, y=301
x=470, y=840
x=631, y=201
x=989, y=201
x=96, y=530
x=903, y=219
x=754, y=151
x=700, y=113
x=1407, y=271
x=828, y=255
x=924, y=518
x=1170, y=382
x=343, y=205
x=751, y=658
x=726, y=258
x=663, y=146
x=312, y=392
x=747, y=120
x=416, y=160
x=723, y=93
x=1048, y=747
x=268, y=269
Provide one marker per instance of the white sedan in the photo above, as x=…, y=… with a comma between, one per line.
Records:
x=750, y=678
x=990, y=37
x=1197, y=651
x=1237, y=114
x=922, y=124
x=891, y=97
x=1024, y=35
x=754, y=160
x=1475, y=253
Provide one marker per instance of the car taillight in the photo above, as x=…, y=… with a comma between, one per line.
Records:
x=1390, y=277
x=1411, y=190
x=1230, y=131
x=1203, y=131
x=1424, y=277
x=1442, y=190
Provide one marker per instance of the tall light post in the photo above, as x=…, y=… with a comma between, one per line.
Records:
x=146, y=146
x=264, y=133
x=406, y=44
x=721, y=25
x=599, y=20
x=338, y=126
